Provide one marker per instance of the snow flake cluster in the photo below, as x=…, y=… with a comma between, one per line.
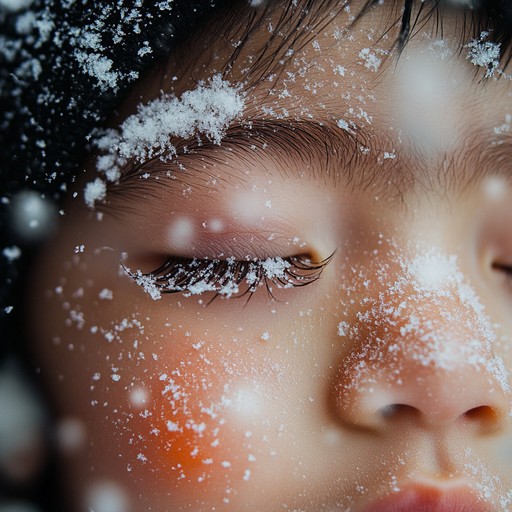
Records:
x=485, y=54
x=206, y=110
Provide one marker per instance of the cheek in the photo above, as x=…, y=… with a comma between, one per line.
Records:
x=189, y=431
x=159, y=401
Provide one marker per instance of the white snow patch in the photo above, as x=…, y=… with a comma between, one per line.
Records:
x=339, y=70
x=106, y=294
x=148, y=284
x=33, y=216
x=94, y=192
x=12, y=253
x=484, y=53
x=370, y=59
x=139, y=397
x=105, y=496
x=494, y=187
x=343, y=329
x=275, y=267
x=100, y=67
x=207, y=110
x=14, y=5
x=433, y=270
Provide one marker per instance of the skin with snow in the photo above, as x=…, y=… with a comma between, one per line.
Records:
x=236, y=386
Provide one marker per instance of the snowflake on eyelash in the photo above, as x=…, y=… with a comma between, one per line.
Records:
x=225, y=277
x=147, y=282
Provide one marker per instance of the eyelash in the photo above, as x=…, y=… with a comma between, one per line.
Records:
x=226, y=277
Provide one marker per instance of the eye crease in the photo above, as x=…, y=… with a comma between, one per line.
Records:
x=230, y=277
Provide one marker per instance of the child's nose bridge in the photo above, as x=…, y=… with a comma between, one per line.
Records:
x=426, y=353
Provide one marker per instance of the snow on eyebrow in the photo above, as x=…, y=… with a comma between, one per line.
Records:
x=206, y=110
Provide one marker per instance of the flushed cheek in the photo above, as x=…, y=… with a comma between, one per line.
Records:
x=195, y=434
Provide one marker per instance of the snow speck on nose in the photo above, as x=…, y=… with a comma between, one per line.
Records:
x=433, y=270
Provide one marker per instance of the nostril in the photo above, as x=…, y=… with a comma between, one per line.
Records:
x=487, y=417
x=398, y=411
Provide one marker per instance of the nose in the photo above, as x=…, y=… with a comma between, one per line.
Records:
x=421, y=352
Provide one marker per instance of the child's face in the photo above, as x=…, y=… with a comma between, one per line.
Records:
x=387, y=378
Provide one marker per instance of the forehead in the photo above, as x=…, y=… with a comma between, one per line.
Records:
x=427, y=108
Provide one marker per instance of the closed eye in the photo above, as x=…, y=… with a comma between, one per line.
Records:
x=230, y=277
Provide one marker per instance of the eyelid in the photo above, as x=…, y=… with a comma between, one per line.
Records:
x=230, y=277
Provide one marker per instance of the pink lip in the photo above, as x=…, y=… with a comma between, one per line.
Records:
x=430, y=499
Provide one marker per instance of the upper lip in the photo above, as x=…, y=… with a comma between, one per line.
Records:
x=424, y=498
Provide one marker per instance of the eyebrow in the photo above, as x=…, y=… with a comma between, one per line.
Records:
x=359, y=160
x=319, y=151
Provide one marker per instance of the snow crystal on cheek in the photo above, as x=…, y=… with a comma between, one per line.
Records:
x=247, y=405
x=139, y=398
